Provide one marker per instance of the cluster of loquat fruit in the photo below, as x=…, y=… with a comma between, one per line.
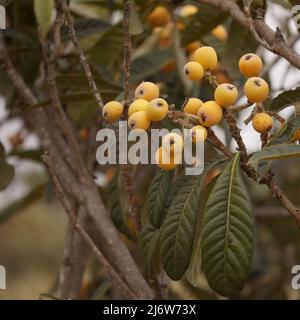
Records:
x=148, y=106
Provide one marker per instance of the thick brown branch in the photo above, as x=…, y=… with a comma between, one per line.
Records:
x=73, y=219
x=271, y=40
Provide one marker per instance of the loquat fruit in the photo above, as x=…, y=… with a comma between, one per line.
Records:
x=188, y=10
x=256, y=89
x=198, y=133
x=139, y=120
x=192, y=106
x=157, y=109
x=193, y=46
x=220, y=32
x=194, y=70
x=207, y=57
x=250, y=65
x=166, y=160
x=137, y=105
x=210, y=113
x=112, y=111
x=160, y=16
x=262, y=122
x=147, y=90
x=173, y=143
x=226, y=94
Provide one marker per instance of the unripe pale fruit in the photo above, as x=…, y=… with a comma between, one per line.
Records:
x=193, y=46
x=199, y=134
x=226, y=94
x=207, y=57
x=192, y=106
x=137, y=105
x=157, y=109
x=210, y=113
x=147, y=90
x=160, y=16
x=188, y=10
x=173, y=143
x=194, y=70
x=256, y=89
x=112, y=111
x=262, y=122
x=220, y=33
x=250, y=65
x=166, y=161
x=139, y=120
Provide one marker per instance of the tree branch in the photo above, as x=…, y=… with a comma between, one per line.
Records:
x=88, y=240
x=271, y=40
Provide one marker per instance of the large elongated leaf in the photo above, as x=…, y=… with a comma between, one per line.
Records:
x=239, y=43
x=149, y=243
x=275, y=152
x=179, y=226
x=74, y=97
x=202, y=23
x=286, y=133
x=43, y=12
x=86, y=26
x=77, y=81
x=149, y=64
x=7, y=173
x=117, y=213
x=194, y=272
x=227, y=237
x=136, y=26
x=285, y=99
x=109, y=48
x=158, y=195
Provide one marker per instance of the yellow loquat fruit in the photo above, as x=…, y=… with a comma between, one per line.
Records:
x=210, y=113
x=157, y=109
x=112, y=111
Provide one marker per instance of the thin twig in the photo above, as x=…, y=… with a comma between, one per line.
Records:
x=126, y=173
x=85, y=65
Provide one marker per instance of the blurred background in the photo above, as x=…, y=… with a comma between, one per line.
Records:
x=32, y=223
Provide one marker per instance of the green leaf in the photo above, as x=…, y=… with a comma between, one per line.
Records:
x=179, y=226
x=136, y=26
x=84, y=27
x=157, y=196
x=227, y=237
x=202, y=23
x=286, y=133
x=238, y=43
x=34, y=154
x=2, y=152
x=109, y=48
x=43, y=12
x=77, y=81
x=275, y=152
x=149, y=243
x=285, y=99
x=7, y=173
x=194, y=272
x=73, y=97
x=115, y=205
x=149, y=64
